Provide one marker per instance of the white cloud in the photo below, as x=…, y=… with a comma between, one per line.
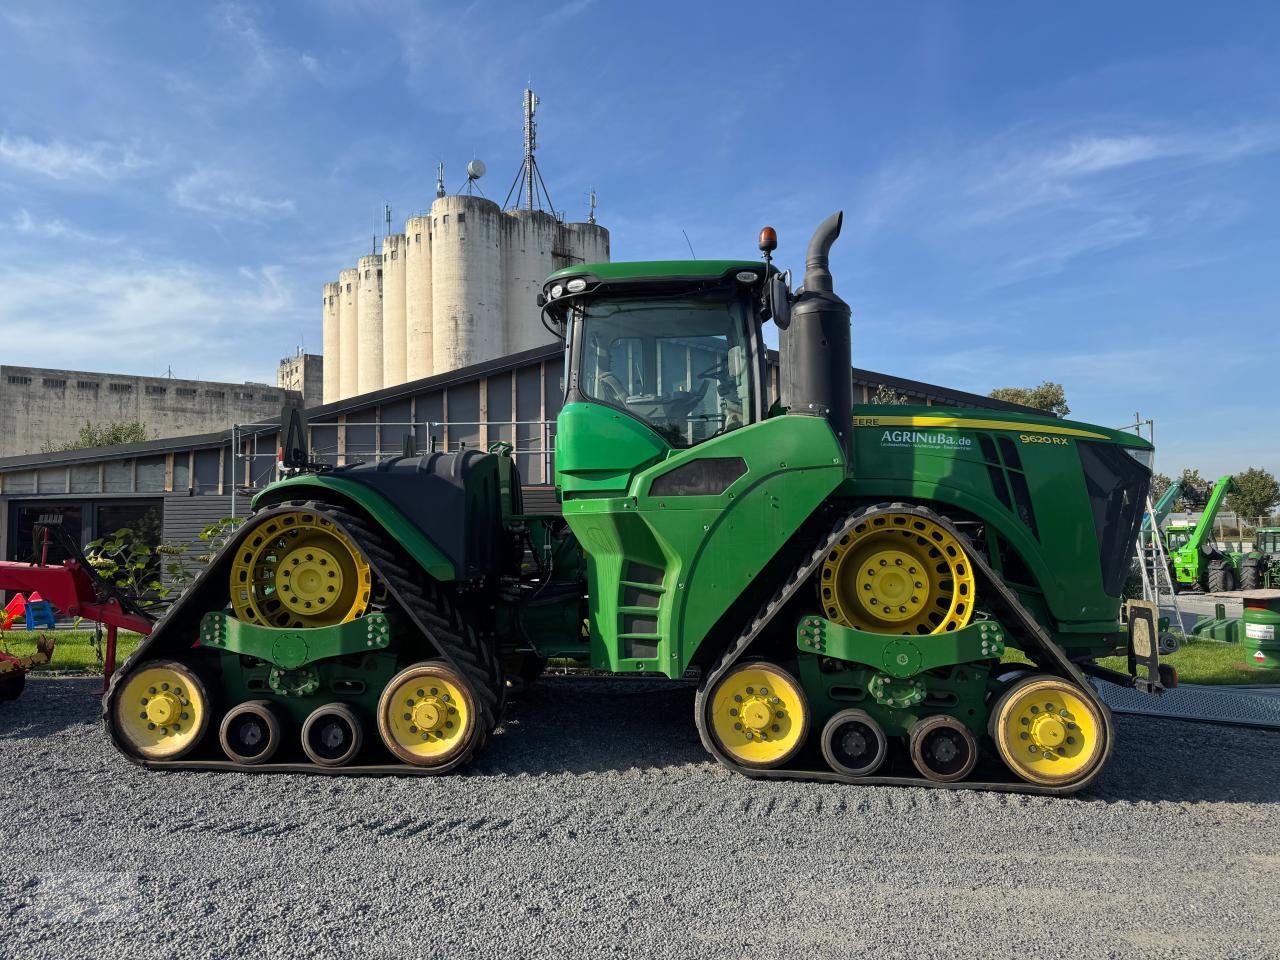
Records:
x=101, y=162
x=56, y=229
x=136, y=316
x=217, y=192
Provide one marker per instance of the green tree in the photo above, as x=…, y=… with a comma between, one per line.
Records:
x=1049, y=396
x=1159, y=484
x=885, y=394
x=106, y=435
x=1255, y=493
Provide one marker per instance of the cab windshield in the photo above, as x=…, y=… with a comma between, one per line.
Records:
x=679, y=363
x=1178, y=539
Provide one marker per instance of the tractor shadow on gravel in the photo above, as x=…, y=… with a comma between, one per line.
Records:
x=601, y=724
x=51, y=705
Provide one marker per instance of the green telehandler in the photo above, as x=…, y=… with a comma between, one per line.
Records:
x=842, y=581
x=1197, y=561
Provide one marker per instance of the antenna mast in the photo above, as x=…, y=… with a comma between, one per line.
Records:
x=529, y=189
x=439, y=179
x=592, y=203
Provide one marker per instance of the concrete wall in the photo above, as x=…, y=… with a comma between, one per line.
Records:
x=305, y=374
x=42, y=407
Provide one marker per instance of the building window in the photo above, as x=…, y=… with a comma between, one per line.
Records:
x=87, y=384
x=446, y=219
x=19, y=380
x=348, y=288
x=185, y=391
x=244, y=396
x=121, y=388
x=462, y=217
x=393, y=254
x=54, y=384
x=216, y=394
x=417, y=238
x=154, y=391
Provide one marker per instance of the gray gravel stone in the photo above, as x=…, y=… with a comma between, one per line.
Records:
x=595, y=825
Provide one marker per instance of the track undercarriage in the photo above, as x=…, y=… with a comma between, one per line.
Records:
x=312, y=643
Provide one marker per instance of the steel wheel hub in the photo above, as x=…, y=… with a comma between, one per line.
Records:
x=308, y=578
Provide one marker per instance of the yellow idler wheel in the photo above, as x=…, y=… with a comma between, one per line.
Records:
x=759, y=715
x=1047, y=732
x=427, y=716
x=296, y=569
x=163, y=710
x=898, y=573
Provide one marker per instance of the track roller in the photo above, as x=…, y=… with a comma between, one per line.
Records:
x=162, y=711
x=942, y=748
x=854, y=744
x=332, y=735
x=250, y=732
x=758, y=714
x=1047, y=732
x=427, y=716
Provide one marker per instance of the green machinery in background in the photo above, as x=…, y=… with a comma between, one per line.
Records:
x=1197, y=562
x=843, y=581
x=1260, y=567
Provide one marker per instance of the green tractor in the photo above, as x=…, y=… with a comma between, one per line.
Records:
x=1260, y=567
x=843, y=581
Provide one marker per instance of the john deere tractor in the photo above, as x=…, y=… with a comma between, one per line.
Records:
x=1260, y=567
x=842, y=581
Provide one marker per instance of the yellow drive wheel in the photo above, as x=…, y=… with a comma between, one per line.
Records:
x=898, y=573
x=427, y=716
x=162, y=711
x=296, y=569
x=758, y=714
x=1047, y=732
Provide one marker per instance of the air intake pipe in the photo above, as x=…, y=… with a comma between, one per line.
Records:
x=816, y=347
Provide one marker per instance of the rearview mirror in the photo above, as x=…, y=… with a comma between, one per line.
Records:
x=779, y=299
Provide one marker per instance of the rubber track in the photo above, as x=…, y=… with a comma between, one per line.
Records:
x=800, y=577
x=430, y=609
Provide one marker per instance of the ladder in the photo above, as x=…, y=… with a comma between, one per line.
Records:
x=1151, y=585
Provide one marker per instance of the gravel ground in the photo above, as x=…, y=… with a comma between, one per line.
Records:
x=595, y=825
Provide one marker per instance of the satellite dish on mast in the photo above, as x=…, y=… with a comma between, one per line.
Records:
x=475, y=169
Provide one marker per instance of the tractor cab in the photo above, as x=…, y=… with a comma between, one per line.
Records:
x=675, y=345
x=1268, y=540
x=1177, y=536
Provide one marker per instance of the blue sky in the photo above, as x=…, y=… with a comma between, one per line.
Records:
x=1088, y=192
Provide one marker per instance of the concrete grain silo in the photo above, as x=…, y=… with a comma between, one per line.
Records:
x=588, y=242
x=348, y=332
x=331, y=327
x=394, y=351
x=417, y=294
x=531, y=241
x=369, y=308
x=468, y=291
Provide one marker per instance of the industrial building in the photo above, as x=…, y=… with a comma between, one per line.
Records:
x=456, y=288
x=303, y=374
x=176, y=486
x=41, y=409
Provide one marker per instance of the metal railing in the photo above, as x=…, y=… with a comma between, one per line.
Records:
x=539, y=446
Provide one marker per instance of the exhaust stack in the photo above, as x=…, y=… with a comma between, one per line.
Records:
x=816, y=349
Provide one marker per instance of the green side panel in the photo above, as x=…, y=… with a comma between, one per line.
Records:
x=663, y=569
x=414, y=540
x=936, y=454
x=901, y=656
x=599, y=449
x=292, y=648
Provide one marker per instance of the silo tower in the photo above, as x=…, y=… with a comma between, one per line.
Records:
x=468, y=294
x=348, y=332
x=369, y=309
x=417, y=297
x=331, y=327
x=395, y=361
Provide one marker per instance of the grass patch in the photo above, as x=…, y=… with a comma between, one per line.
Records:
x=1197, y=661
x=75, y=649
